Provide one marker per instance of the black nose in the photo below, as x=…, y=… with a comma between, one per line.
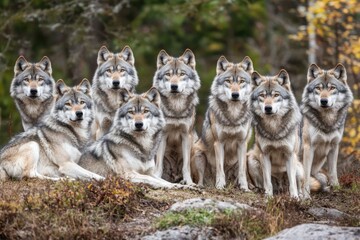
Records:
x=235, y=95
x=33, y=92
x=268, y=109
x=116, y=83
x=79, y=114
x=324, y=102
x=139, y=125
x=174, y=87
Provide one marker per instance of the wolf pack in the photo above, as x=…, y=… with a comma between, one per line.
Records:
x=103, y=128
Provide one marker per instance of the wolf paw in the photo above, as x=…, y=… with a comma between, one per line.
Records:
x=220, y=184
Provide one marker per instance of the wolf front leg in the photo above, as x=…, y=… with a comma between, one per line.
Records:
x=186, y=150
x=291, y=172
x=241, y=154
x=266, y=169
x=159, y=165
x=219, y=162
x=308, y=157
x=332, y=159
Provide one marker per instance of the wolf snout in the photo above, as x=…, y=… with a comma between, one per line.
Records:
x=79, y=114
x=116, y=84
x=235, y=95
x=174, y=87
x=139, y=126
x=268, y=109
x=324, y=102
x=33, y=92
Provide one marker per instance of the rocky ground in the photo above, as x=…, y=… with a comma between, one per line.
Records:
x=116, y=209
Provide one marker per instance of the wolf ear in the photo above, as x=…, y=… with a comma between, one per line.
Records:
x=20, y=65
x=84, y=87
x=221, y=65
x=125, y=95
x=247, y=65
x=127, y=55
x=256, y=79
x=162, y=59
x=60, y=87
x=283, y=78
x=154, y=96
x=45, y=65
x=188, y=58
x=340, y=72
x=313, y=72
x=103, y=55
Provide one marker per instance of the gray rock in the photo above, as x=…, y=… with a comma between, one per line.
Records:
x=330, y=213
x=184, y=232
x=318, y=232
x=207, y=204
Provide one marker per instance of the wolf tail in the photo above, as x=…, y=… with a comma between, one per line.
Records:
x=319, y=183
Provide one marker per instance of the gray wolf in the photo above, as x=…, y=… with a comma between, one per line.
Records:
x=128, y=149
x=227, y=126
x=115, y=71
x=51, y=149
x=178, y=82
x=32, y=89
x=276, y=119
x=325, y=101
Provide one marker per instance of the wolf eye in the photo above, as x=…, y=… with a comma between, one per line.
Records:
x=108, y=70
x=182, y=74
x=82, y=102
x=332, y=88
x=242, y=80
x=146, y=110
x=68, y=104
x=26, y=79
x=167, y=74
x=318, y=88
x=131, y=112
x=262, y=95
x=276, y=95
x=122, y=70
x=227, y=80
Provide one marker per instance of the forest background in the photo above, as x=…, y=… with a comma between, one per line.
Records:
x=275, y=34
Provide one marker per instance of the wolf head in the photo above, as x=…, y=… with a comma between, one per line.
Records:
x=327, y=89
x=176, y=75
x=140, y=114
x=116, y=70
x=73, y=105
x=32, y=80
x=271, y=94
x=232, y=81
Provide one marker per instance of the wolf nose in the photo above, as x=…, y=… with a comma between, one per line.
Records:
x=139, y=125
x=323, y=102
x=235, y=95
x=79, y=114
x=268, y=109
x=174, y=87
x=33, y=92
x=116, y=83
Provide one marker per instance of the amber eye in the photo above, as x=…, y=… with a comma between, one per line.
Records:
x=68, y=104
x=227, y=80
x=82, y=102
x=182, y=74
x=318, y=88
x=276, y=95
x=262, y=95
x=131, y=112
x=122, y=70
x=242, y=81
x=108, y=70
x=26, y=79
x=146, y=110
x=167, y=74
x=332, y=88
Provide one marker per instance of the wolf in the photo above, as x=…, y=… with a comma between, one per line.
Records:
x=115, y=71
x=128, y=149
x=178, y=82
x=325, y=102
x=227, y=125
x=276, y=119
x=51, y=149
x=32, y=89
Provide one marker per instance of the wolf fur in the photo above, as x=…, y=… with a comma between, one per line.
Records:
x=276, y=118
x=32, y=89
x=227, y=126
x=51, y=149
x=178, y=82
x=115, y=71
x=325, y=102
x=128, y=149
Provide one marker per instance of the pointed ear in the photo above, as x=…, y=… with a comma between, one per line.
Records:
x=154, y=96
x=256, y=79
x=221, y=65
x=125, y=95
x=84, y=87
x=313, y=72
x=20, y=65
x=162, y=59
x=189, y=58
x=127, y=55
x=60, y=87
x=103, y=55
x=247, y=65
x=340, y=72
x=283, y=78
x=45, y=65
